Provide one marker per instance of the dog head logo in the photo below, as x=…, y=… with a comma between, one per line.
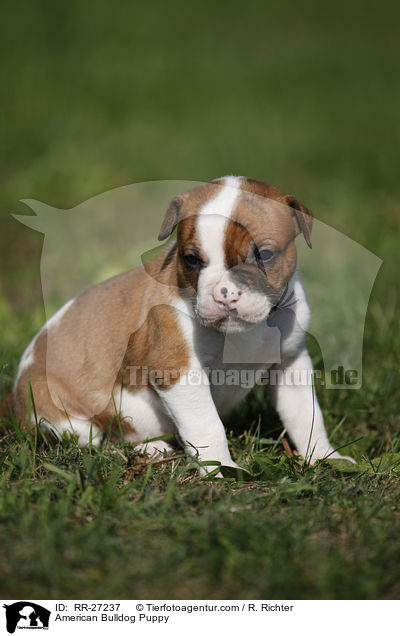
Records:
x=26, y=615
x=114, y=232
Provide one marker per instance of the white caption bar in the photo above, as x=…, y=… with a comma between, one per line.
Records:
x=176, y=617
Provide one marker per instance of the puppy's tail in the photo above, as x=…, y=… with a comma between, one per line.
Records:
x=6, y=405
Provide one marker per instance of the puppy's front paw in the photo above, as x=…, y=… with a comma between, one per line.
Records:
x=337, y=455
x=155, y=450
x=234, y=470
x=327, y=453
x=227, y=468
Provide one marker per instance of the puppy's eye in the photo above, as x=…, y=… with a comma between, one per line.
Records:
x=263, y=256
x=193, y=261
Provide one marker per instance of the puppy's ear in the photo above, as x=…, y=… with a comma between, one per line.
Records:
x=171, y=218
x=302, y=216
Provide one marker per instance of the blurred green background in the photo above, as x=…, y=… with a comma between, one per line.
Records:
x=305, y=96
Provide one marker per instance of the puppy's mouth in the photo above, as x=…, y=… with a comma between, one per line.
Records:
x=232, y=321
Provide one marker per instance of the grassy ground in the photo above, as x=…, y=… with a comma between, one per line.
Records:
x=302, y=96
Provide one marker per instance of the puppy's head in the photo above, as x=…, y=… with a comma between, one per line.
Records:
x=236, y=251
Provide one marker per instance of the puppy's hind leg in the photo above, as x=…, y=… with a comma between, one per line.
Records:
x=33, y=405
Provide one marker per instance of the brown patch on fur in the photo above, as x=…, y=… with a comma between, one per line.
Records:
x=264, y=218
x=154, y=348
x=269, y=278
x=238, y=241
x=301, y=214
x=109, y=326
x=303, y=217
x=170, y=219
x=187, y=242
x=35, y=377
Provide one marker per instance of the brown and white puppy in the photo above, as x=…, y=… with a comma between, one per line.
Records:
x=136, y=352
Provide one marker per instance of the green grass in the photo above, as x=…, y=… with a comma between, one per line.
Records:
x=305, y=97
x=108, y=524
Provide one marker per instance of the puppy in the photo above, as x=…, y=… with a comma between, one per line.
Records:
x=137, y=354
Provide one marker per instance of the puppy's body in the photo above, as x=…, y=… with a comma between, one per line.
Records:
x=136, y=352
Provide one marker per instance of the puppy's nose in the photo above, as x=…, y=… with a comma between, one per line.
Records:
x=226, y=295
